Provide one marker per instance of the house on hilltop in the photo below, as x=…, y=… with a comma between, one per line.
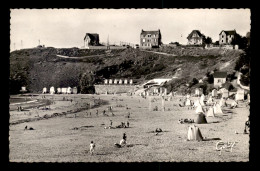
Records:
x=91, y=39
x=195, y=38
x=150, y=39
x=226, y=37
x=219, y=78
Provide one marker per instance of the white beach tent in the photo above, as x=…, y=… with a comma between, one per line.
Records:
x=234, y=103
x=214, y=93
x=240, y=94
x=210, y=112
x=210, y=100
x=196, y=103
x=202, y=98
x=188, y=102
x=199, y=109
x=52, y=90
x=217, y=109
x=222, y=102
x=194, y=133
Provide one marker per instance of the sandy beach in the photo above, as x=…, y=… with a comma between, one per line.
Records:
x=66, y=135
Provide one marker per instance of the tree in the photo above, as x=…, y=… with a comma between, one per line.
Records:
x=242, y=42
x=86, y=83
x=208, y=40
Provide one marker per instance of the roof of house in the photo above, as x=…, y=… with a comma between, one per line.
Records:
x=92, y=36
x=220, y=74
x=194, y=31
x=150, y=32
x=230, y=32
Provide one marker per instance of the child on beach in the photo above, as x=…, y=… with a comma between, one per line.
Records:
x=92, y=147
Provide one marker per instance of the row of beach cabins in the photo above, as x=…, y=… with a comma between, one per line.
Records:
x=64, y=90
x=118, y=81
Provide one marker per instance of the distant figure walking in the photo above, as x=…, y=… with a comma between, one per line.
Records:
x=127, y=123
x=104, y=112
x=92, y=147
x=124, y=136
x=89, y=113
x=111, y=122
x=97, y=113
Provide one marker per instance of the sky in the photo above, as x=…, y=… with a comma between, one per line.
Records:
x=65, y=28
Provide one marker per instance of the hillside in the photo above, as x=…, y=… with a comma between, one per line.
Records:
x=37, y=68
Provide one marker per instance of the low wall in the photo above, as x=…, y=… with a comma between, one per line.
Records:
x=114, y=89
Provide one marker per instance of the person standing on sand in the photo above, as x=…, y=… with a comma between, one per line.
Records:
x=97, y=113
x=92, y=147
x=127, y=123
x=111, y=122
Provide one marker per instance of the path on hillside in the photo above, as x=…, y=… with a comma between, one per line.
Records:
x=82, y=57
x=160, y=53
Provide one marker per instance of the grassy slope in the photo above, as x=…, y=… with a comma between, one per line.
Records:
x=41, y=67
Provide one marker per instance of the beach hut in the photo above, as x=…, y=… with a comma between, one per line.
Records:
x=222, y=102
x=115, y=81
x=59, y=90
x=63, y=90
x=194, y=133
x=196, y=103
x=125, y=81
x=120, y=81
x=23, y=89
x=110, y=81
x=75, y=90
x=240, y=94
x=44, y=90
x=52, y=90
x=131, y=82
x=69, y=90
x=105, y=81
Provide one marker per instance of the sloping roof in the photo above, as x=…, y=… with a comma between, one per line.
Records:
x=230, y=32
x=150, y=32
x=92, y=36
x=194, y=31
x=220, y=74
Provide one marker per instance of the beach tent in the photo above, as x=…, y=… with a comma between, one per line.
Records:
x=198, y=91
x=69, y=90
x=234, y=103
x=214, y=93
x=240, y=95
x=52, y=90
x=210, y=112
x=201, y=119
x=44, y=90
x=222, y=102
x=224, y=93
x=202, y=98
x=199, y=109
x=248, y=98
x=75, y=90
x=63, y=90
x=188, y=102
x=58, y=90
x=196, y=103
x=194, y=133
x=217, y=109
x=210, y=100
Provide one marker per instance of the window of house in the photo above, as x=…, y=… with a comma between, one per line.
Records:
x=143, y=40
x=155, y=40
x=154, y=35
x=222, y=36
x=222, y=41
